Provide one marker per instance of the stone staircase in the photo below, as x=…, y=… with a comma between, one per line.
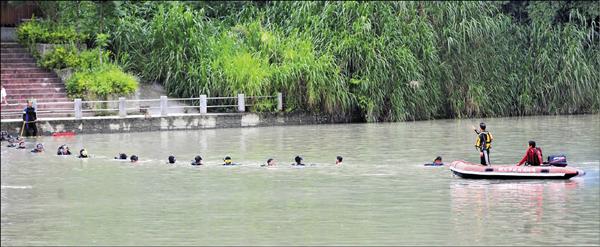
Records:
x=23, y=80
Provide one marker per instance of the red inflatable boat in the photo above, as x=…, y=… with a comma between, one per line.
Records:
x=466, y=169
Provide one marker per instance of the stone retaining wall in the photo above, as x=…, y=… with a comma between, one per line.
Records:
x=179, y=122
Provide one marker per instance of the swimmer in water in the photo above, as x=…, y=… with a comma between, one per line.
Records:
x=121, y=156
x=338, y=160
x=63, y=150
x=13, y=142
x=21, y=145
x=83, y=154
x=436, y=162
x=39, y=148
x=298, y=160
x=171, y=159
x=270, y=162
x=228, y=161
x=133, y=158
x=4, y=136
x=197, y=161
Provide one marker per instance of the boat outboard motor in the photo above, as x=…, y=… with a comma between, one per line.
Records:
x=557, y=160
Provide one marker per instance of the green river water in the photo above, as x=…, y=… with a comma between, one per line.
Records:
x=381, y=195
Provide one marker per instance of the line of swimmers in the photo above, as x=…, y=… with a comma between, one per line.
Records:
x=227, y=161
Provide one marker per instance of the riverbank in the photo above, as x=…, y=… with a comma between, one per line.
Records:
x=140, y=123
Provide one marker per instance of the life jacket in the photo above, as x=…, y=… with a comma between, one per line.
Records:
x=532, y=157
x=488, y=140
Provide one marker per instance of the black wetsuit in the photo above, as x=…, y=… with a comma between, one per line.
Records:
x=29, y=117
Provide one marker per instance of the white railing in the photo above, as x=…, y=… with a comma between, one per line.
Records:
x=80, y=108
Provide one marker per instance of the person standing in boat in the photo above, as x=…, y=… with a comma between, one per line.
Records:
x=533, y=156
x=483, y=143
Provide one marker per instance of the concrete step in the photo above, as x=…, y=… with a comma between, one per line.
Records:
x=31, y=90
x=38, y=96
x=16, y=55
x=18, y=65
x=48, y=87
x=40, y=115
x=10, y=45
x=42, y=104
x=28, y=75
x=29, y=87
x=13, y=50
x=55, y=108
x=18, y=81
x=5, y=60
x=24, y=70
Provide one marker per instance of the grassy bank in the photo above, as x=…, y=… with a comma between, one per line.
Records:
x=382, y=61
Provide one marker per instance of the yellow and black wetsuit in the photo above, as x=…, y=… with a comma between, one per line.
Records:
x=484, y=144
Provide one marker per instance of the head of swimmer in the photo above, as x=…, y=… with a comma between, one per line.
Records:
x=298, y=160
x=227, y=160
x=271, y=162
x=437, y=160
x=171, y=159
x=133, y=158
x=338, y=160
x=83, y=153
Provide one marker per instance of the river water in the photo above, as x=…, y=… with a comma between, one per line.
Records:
x=382, y=195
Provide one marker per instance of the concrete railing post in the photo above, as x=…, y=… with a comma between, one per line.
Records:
x=78, y=110
x=203, y=104
x=241, y=103
x=34, y=103
x=122, y=111
x=279, y=102
x=164, y=107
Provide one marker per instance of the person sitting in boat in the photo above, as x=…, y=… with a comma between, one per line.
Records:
x=83, y=154
x=197, y=161
x=121, y=156
x=228, y=161
x=533, y=155
x=298, y=160
x=338, y=160
x=171, y=159
x=39, y=148
x=63, y=150
x=133, y=158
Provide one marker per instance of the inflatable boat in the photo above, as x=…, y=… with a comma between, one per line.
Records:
x=466, y=169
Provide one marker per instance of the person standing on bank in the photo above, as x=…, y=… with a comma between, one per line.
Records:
x=29, y=118
x=483, y=144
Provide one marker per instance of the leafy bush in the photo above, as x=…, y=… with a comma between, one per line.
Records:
x=89, y=59
x=38, y=31
x=61, y=57
x=30, y=31
x=101, y=83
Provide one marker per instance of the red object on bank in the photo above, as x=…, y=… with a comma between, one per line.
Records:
x=57, y=134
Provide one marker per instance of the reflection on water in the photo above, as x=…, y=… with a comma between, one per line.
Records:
x=383, y=195
x=532, y=202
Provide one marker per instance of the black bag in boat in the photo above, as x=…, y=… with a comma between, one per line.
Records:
x=557, y=160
